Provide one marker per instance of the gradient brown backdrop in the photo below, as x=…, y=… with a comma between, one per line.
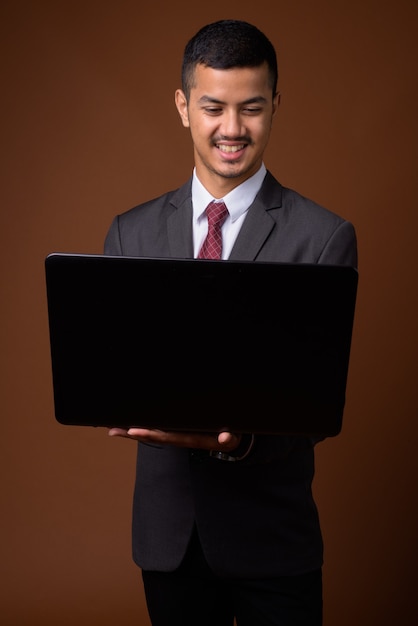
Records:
x=89, y=129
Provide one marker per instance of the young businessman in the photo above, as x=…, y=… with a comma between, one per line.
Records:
x=225, y=526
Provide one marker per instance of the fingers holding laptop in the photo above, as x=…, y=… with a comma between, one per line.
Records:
x=224, y=441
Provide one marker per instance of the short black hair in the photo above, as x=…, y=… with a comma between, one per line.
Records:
x=227, y=44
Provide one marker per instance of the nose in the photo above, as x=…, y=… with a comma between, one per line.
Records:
x=232, y=126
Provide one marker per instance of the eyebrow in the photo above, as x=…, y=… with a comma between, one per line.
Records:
x=210, y=100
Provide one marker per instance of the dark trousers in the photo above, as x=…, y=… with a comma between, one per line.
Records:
x=192, y=595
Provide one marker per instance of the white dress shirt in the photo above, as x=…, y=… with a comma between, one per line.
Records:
x=237, y=202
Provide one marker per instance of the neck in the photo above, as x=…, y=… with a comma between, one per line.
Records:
x=219, y=186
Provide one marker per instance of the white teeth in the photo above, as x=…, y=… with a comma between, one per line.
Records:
x=230, y=148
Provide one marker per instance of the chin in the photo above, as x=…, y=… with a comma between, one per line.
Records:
x=231, y=170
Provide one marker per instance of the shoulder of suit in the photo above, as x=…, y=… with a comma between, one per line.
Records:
x=166, y=201
x=288, y=198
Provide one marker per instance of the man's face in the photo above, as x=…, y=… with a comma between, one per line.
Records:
x=229, y=115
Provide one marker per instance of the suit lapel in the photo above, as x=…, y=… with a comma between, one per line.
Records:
x=258, y=224
x=255, y=230
x=179, y=224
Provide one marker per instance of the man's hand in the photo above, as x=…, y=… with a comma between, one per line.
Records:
x=224, y=441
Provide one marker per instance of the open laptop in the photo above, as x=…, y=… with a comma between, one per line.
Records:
x=186, y=344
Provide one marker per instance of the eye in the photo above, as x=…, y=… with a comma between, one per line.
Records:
x=252, y=110
x=213, y=110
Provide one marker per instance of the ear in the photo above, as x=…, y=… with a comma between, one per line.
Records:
x=276, y=102
x=181, y=104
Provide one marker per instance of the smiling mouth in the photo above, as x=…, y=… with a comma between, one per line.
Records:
x=228, y=149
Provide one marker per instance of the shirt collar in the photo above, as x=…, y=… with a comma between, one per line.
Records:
x=237, y=201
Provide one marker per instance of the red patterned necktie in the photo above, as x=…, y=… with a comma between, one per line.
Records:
x=216, y=213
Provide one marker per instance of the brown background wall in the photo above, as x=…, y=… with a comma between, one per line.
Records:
x=88, y=130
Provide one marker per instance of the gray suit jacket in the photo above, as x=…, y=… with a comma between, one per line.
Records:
x=257, y=517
